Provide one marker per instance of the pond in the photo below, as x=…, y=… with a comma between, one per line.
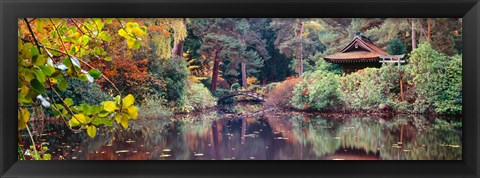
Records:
x=274, y=135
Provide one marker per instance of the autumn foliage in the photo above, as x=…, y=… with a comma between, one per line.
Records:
x=281, y=94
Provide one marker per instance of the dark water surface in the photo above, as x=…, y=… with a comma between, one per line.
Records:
x=271, y=136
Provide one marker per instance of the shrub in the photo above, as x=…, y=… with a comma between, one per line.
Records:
x=174, y=73
x=438, y=80
x=84, y=92
x=221, y=92
x=200, y=97
x=153, y=107
x=321, y=64
x=235, y=87
x=280, y=94
x=317, y=91
x=362, y=90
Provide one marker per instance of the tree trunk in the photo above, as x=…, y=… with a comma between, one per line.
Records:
x=178, y=47
x=428, y=30
x=216, y=64
x=244, y=76
x=216, y=148
x=414, y=35
x=300, y=51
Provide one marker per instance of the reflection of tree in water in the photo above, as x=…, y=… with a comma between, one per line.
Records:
x=275, y=135
x=315, y=133
x=416, y=138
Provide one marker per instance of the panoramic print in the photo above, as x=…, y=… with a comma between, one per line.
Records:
x=239, y=89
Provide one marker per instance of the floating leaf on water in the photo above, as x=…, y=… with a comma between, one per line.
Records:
x=122, y=151
x=198, y=154
x=165, y=155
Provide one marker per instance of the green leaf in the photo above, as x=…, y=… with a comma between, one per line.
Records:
x=46, y=70
x=108, y=58
x=39, y=61
x=37, y=86
x=128, y=100
x=39, y=74
x=103, y=114
x=109, y=106
x=55, y=112
x=94, y=73
x=47, y=157
x=97, y=121
x=68, y=101
x=62, y=85
x=39, y=25
x=91, y=131
x=34, y=52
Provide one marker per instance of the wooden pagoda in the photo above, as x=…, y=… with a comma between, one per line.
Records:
x=361, y=53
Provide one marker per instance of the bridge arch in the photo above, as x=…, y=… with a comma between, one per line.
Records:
x=251, y=95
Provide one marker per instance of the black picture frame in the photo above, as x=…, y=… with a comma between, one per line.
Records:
x=11, y=10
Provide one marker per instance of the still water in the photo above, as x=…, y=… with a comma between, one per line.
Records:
x=275, y=135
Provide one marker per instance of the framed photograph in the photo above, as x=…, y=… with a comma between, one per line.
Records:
x=239, y=88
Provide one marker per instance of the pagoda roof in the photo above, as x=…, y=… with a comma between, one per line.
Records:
x=360, y=49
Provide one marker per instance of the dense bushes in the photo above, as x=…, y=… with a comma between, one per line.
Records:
x=362, y=90
x=84, y=92
x=154, y=107
x=317, y=91
x=279, y=94
x=174, y=72
x=198, y=98
x=432, y=83
x=438, y=80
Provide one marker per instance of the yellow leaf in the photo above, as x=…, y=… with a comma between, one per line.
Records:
x=118, y=118
x=78, y=118
x=130, y=43
x=91, y=131
x=128, y=100
x=124, y=122
x=133, y=111
x=23, y=117
x=109, y=106
x=122, y=32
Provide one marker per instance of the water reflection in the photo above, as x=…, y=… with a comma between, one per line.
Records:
x=272, y=136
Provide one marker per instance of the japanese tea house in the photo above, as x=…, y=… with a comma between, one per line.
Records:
x=362, y=53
